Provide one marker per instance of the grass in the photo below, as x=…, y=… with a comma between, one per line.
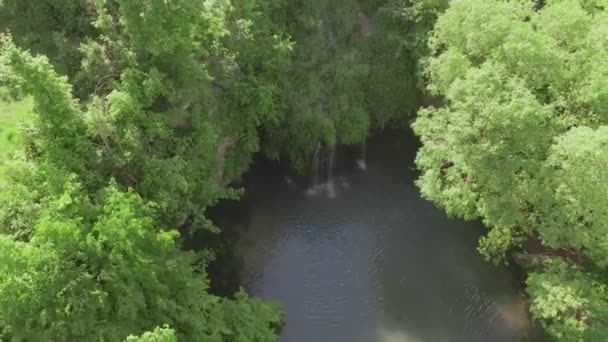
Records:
x=12, y=115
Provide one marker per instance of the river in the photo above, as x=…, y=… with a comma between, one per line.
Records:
x=376, y=262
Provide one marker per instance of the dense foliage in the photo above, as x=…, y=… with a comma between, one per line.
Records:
x=163, y=334
x=354, y=69
x=167, y=334
x=142, y=114
x=87, y=250
x=520, y=143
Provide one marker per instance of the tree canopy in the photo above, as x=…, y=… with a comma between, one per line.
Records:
x=146, y=144
x=354, y=69
x=143, y=113
x=520, y=143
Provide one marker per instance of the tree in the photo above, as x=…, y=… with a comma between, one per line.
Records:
x=570, y=302
x=52, y=28
x=323, y=104
x=354, y=69
x=92, y=277
x=100, y=271
x=163, y=334
x=59, y=133
x=578, y=163
x=394, y=89
x=177, y=116
x=519, y=143
x=85, y=260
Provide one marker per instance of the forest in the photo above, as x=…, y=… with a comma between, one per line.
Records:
x=122, y=122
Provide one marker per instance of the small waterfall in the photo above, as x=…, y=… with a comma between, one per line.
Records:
x=329, y=183
x=330, y=162
x=315, y=166
x=322, y=171
x=362, y=161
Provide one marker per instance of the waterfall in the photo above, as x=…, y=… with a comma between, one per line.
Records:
x=329, y=184
x=322, y=171
x=315, y=166
x=330, y=162
x=362, y=161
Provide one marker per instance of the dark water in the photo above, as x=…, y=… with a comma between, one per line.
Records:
x=375, y=263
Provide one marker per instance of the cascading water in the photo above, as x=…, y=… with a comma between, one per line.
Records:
x=315, y=166
x=329, y=183
x=362, y=161
x=322, y=171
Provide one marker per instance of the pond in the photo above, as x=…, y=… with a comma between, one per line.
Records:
x=374, y=261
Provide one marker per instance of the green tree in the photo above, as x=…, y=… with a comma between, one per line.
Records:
x=59, y=132
x=163, y=334
x=324, y=101
x=354, y=69
x=172, y=96
x=52, y=28
x=176, y=104
x=103, y=271
x=569, y=301
x=397, y=44
x=519, y=143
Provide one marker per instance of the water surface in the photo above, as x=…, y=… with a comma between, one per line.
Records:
x=375, y=263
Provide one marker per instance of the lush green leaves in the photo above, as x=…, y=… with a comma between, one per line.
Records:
x=60, y=131
x=354, y=69
x=53, y=28
x=163, y=334
x=579, y=162
x=174, y=93
x=570, y=303
x=520, y=143
x=100, y=272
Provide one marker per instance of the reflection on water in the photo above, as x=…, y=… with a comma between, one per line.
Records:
x=387, y=335
x=375, y=262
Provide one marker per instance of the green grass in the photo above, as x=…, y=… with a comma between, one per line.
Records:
x=12, y=115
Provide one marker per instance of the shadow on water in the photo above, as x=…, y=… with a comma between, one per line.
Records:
x=374, y=263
